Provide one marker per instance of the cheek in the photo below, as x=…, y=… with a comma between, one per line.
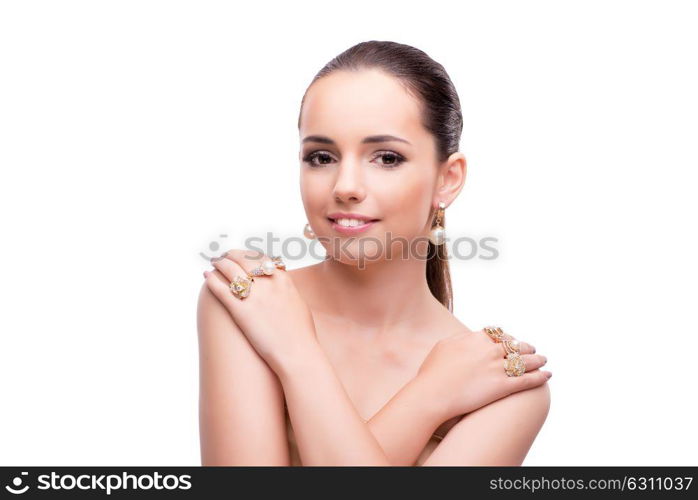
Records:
x=313, y=192
x=406, y=205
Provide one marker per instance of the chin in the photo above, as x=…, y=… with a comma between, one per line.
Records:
x=353, y=256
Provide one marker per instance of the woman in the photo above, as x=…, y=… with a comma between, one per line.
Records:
x=359, y=360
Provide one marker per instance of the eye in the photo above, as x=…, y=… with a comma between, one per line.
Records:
x=394, y=159
x=390, y=159
x=321, y=155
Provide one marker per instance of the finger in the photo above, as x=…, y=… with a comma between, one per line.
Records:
x=260, y=265
x=529, y=380
x=250, y=261
x=228, y=268
x=220, y=287
x=533, y=361
x=526, y=348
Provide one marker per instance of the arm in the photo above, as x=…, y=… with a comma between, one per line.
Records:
x=407, y=421
x=311, y=384
x=328, y=429
x=498, y=434
x=241, y=396
x=241, y=416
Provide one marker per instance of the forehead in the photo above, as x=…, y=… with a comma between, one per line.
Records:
x=348, y=105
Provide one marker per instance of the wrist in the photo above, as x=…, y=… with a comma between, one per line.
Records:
x=432, y=401
x=299, y=361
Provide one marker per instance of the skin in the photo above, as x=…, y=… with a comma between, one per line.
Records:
x=336, y=340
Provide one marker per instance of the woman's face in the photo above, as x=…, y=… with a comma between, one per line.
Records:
x=382, y=178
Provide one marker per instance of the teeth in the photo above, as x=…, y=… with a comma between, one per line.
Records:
x=351, y=222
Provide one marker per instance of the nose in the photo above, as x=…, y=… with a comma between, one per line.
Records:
x=349, y=184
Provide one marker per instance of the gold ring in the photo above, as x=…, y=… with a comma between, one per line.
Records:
x=495, y=333
x=511, y=345
x=240, y=286
x=514, y=365
x=279, y=263
x=267, y=267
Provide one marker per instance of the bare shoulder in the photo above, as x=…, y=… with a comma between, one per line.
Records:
x=297, y=275
x=241, y=418
x=447, y=324
x=305, y=281
x=302, y=275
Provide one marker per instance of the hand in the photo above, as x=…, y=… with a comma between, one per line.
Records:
x=466, y=372
x=275, y=319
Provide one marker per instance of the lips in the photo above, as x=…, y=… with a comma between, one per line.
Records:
x=365, y=221
x=352, y=230
x=334, y=216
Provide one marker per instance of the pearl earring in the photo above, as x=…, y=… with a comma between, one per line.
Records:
x=308, y=232
x=438, y=234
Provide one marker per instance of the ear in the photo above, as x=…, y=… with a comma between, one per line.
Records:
x=451, y=177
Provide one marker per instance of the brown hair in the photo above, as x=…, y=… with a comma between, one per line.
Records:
x=428, y=81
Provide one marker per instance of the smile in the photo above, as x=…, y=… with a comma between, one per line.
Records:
x=351, y=226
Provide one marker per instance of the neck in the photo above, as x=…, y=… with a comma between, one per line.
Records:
x=378, y=298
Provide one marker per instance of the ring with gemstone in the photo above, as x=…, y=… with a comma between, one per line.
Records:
x=267, y=267
x=511, y=345
x=240, y=286
x=495, y=333
x=514, y=365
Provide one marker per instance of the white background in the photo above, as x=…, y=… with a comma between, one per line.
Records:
x=135, y=133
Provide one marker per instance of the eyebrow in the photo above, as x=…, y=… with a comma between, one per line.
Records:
x=366, y=140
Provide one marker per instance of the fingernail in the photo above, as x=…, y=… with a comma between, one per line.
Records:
x=205, y=274
x=545, y=360
x=549, y=374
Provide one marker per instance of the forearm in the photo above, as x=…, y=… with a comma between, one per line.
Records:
x=406, y=423
x=329, y=430
x=327, y=427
